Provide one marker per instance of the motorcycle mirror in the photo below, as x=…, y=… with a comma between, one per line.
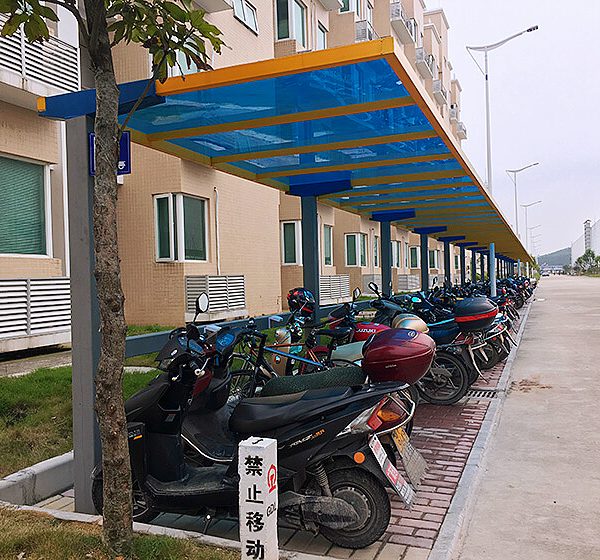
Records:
x=374, y=288
x=202, y=303
x=435, y=281
x=356, y=294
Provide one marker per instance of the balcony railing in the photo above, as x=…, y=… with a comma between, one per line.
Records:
x=426, y=64
x=454, y=113
x=405, y=27
x=439, y=92
x=53, y=62
x=365, y=31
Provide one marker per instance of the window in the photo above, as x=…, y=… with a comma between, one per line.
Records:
x=299, y=13
x=375, y=250
x=356, y=249
x=369, y=12
x=406, y=251
x=283, y=19
x=321, y=37
x=291, y=247
x=25, y=208
x=180, y=223
x=246, y=13
x=328, y=245
x=345, y=6
x=432, y=258
x=414, y=257
x=398, y=254
x=456, y=265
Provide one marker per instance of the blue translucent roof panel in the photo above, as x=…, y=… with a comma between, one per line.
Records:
x=315, y=132
x=350, y=84
x=381, y=198
x=465, y=201
x=346, y=156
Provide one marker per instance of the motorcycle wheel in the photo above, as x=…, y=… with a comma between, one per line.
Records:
x=492, y=357
x=444, y=389
x=369, y=498
x=141, y=512
x=241, y=383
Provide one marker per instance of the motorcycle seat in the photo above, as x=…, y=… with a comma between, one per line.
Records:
x=443, y=333
x=337, y=334
x=334, y=377
x=261, y=415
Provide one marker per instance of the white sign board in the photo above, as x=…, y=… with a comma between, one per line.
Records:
x=257, y=467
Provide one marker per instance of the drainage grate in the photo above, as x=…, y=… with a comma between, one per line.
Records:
x=481, y=393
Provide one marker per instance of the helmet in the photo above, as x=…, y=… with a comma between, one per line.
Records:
x=301, y=300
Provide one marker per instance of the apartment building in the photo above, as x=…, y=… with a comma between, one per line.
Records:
x=34, y=254
x=186, y=228
x=239, y=240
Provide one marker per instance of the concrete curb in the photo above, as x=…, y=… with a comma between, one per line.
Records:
x=459, y=514
x=143, y=528
x=38, y=482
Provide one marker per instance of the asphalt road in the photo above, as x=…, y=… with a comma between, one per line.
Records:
x=540, y=493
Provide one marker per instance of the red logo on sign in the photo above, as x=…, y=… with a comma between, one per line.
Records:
x=392, y=473
x=272, y=478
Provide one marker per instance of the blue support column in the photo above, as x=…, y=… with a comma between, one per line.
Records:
x=482, y=266
x=493, y=269
x=385, y=218
x=424, y=261
x=310, y=245
x=385, y=230
x=463, y=265
x=447, y=271
x=473, y=265
x=425, y=232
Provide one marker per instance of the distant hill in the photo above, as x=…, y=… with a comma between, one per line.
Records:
x=558, y=258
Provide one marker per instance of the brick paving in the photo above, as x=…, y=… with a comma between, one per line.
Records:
x=444, y=435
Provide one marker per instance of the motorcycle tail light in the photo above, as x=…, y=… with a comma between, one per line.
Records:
x=391, y=414
x=361, y=423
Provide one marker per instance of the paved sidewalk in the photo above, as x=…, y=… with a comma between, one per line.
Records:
x=540, y=492
x=22, y=363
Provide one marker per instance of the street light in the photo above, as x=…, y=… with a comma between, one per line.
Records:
x=514, y=180
x=526, y=206
x=484, y=71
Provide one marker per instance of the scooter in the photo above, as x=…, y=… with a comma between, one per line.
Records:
x=331, y=480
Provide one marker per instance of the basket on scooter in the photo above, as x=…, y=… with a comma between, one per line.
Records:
x=403, y=355
x=475, y=314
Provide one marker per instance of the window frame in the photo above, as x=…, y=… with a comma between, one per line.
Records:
x=359, y=237
x=297, y=242
x=304, y=10
x=418, y=259
x=47, y=195
x=244, y=4
x=327, y=227
x=376, y=258
x=177, y=228
x=321, y=29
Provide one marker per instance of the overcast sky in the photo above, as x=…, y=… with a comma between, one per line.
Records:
x=545, y=99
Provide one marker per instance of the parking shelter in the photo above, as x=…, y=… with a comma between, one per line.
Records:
x=352, y=127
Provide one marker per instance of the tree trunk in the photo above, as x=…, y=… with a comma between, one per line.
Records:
x=117, y=509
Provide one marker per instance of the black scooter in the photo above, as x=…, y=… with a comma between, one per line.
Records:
x=329, y=478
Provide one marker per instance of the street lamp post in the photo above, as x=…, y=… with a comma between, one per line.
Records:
x=485, y=49
x=528, y=230
x=514, y=180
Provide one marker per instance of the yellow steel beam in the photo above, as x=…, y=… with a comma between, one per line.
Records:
x=285, y=119
x=407, y=200
x=277, y=67
x=409, y=177
x=406, y=137
x=359, y=165
x=387, y=190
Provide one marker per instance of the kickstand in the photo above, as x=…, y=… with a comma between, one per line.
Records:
x=207, y=521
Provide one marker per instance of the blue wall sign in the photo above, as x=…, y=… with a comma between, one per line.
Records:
x=124, y=164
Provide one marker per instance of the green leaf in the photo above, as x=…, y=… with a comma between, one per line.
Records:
x=176, y=11
x=36, y=29
x=8, y=6
x=13, y=23
x=47, y=13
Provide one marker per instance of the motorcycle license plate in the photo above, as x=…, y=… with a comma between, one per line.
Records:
x=397, y=481
x=414, y=464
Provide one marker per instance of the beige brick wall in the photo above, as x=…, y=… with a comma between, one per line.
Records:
x=29, y=267
x=23, y=133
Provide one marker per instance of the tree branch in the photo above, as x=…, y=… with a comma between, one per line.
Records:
x=73, y=9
